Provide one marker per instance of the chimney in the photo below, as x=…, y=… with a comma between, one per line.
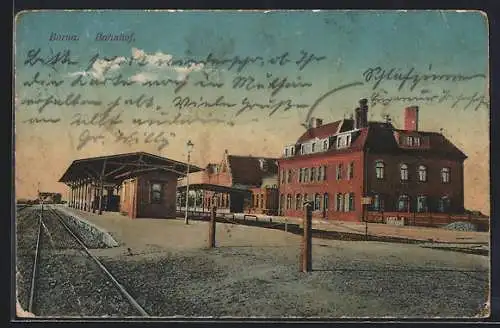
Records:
x=315, y=122
x=263, y=164
x=361, y=115
x=411, y=118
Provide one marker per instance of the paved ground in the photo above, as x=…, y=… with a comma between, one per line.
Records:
x=254, y=272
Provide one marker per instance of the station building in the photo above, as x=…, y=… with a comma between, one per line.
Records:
x=344, y=165
x=237, y=184
x=136, y=184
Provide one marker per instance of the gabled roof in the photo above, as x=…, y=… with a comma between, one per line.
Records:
x=246, y=170
x=116, y=168
x=320, y=132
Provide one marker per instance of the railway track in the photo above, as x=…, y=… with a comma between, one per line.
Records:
x=68, y=280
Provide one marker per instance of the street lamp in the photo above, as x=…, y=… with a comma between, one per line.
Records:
x=189, y=148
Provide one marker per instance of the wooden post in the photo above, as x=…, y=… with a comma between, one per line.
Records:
x=211, y=228
x=306, y=255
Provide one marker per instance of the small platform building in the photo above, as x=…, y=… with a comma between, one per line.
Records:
x=136, y=184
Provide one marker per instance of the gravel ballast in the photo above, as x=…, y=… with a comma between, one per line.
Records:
x=69, y=283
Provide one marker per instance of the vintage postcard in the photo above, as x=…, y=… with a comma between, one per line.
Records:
x=251, y=164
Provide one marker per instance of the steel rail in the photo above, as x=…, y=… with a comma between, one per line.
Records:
x=122, y=289
x=35, y=265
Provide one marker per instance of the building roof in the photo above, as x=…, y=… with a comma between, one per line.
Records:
x=379, y=137
x=116, y=168
x=320, y=132
x=247, y=170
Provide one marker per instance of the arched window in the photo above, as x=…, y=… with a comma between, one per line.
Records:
x=422, y=203
x=377, y=202
x=339, y=171
x=422, y=173
x=313, y=174
x=339, y=202
x=325, y=145
x=313, y=147
x=379, y=170
x=350, y=170
x=351, y=201
x=404, y=172
x=298, y=201
x=346, y=202
x=404, y=203
x=288, y=201
x=444, y=204
x=445, y=175
x=317, y=202
x=325, y=202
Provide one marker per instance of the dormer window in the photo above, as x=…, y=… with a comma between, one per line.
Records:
x=413, y=141
x=343, y=141
x=313, y=147
x=302, y=149
x=325, y=144
x=292, y=150
x=286, y=152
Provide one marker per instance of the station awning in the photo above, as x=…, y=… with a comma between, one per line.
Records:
x=214, y=187
x=113, y=169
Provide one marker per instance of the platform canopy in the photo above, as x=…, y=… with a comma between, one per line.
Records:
x=214, y=187
x=113, y=169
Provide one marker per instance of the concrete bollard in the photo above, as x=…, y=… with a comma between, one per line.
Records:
x=211, y=228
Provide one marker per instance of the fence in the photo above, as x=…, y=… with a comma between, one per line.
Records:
x=426, y=219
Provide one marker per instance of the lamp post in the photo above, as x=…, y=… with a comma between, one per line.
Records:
x=189, y=147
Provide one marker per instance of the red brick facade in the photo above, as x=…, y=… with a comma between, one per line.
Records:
x=325, y=190
x=259, y=175
x=350, y=160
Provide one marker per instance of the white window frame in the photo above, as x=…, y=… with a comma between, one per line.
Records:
x=379, y=167
x=445, y=172
x=422, y=173
x=403, y=167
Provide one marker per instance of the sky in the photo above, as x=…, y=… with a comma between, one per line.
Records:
x=348, y=42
